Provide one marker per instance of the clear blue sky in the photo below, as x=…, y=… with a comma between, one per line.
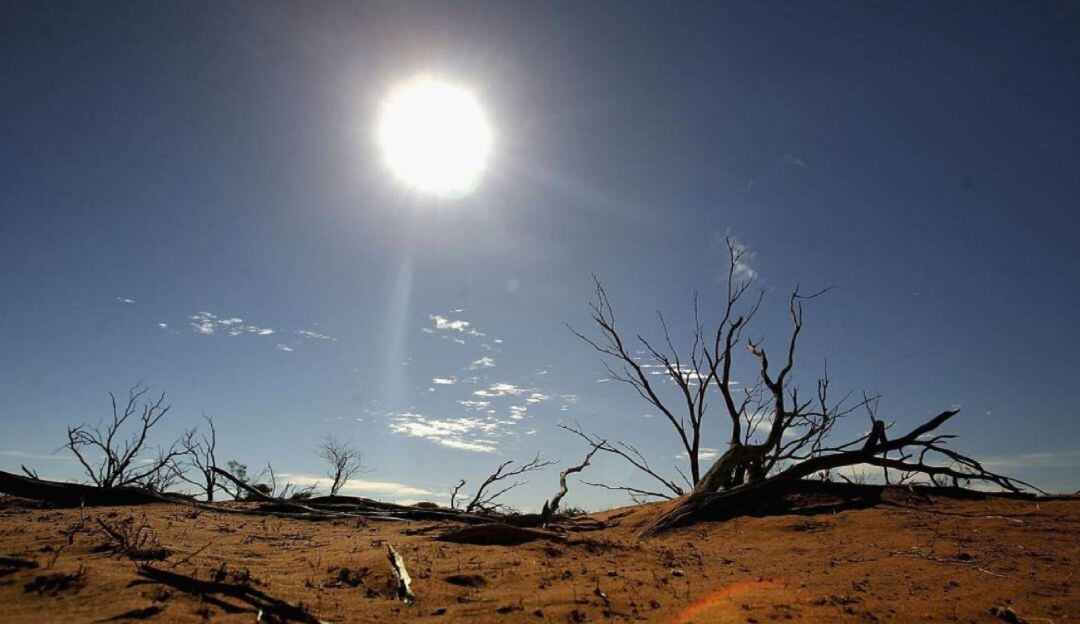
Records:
x=168, y=167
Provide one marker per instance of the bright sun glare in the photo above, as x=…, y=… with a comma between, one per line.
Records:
x=435, y=137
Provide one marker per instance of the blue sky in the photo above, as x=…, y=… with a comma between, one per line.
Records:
x=166, y=168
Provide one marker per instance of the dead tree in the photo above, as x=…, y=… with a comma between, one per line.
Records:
x=120, y=463
x=703, y=367
x=344, y=462
x=484, y=499
x=202, y=455
x=455, y=492
x=547, y=514
x=776, y=431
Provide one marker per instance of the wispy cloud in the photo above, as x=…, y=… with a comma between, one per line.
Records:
x=444, y=324
x=499, y=389
x=1053, y=459
x=208, y=324
x=360, y=486
x=788, y=159
x=283, y=347
x=453, y=329
x=743, y=270
x=703, y=453
x=484, y=362
x=467, y=434
x=125, y=300
x=42, y=456
x=444, y=381
x=307, y=333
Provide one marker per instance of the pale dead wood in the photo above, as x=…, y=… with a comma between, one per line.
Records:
x=402, y=579
x=552, y=507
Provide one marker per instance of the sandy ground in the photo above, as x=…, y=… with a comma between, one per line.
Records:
x=946, y=560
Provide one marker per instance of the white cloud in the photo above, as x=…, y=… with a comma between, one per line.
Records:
x=474, y=405
x=500, y=389
x=1053, y=459
x=484, y=362
x=703, y=454
x=307, y=333
x=444, y=381
x=207, y=323
x=125, y=300
x=788, y=159
x=469, y=434
x=742, y=270
x=444, y=324
x=476, y=447
x=283, y=347
x=163, y=325
x=41, y=456
x=359, y=486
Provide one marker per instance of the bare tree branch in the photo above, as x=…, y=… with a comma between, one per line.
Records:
x=344, y=462
x=118, y=463
x=484, y=499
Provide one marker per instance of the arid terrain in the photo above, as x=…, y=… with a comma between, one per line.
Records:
x=908, y=559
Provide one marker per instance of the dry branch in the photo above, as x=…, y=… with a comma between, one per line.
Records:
x=484, y=499
x=118, y=465
x=552, y=507
x=402, y=580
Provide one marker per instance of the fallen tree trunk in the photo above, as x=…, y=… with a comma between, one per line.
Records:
x=252, y=493
x=75, y=494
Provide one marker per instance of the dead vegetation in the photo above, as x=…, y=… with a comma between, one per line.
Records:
x=778, y=435
x=131, y=538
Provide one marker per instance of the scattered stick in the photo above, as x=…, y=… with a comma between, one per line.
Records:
x=401, y=576
x=191, y=556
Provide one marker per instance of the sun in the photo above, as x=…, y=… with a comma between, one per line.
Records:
x=435, y=137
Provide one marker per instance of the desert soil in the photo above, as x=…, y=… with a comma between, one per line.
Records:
x=909, y=560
